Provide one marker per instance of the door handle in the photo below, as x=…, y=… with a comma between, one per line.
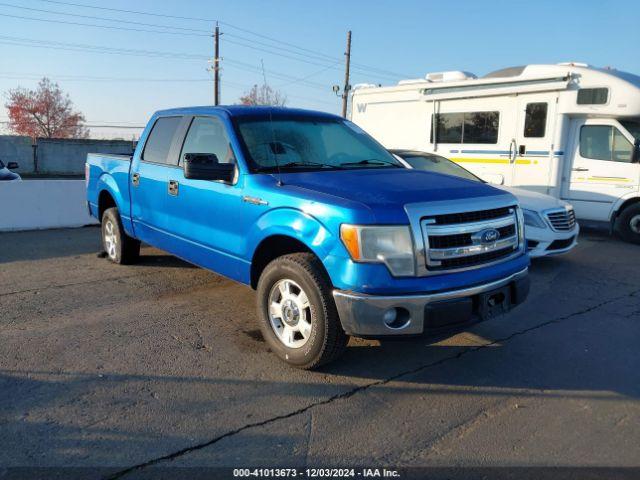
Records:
x=173, y=187
x=513, y=151
x=135, y=179
x=580, y=169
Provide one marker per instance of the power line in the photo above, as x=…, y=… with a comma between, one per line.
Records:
x=82, y=78
x=210, y=20
x=131, y=29
x=93, y=17
x=109, y=27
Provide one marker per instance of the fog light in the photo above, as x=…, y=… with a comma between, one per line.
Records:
x=390, y=316
x=396, y=317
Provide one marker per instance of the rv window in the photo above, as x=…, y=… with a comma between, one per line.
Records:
x=449, y=128
x=604, y=142
x=470, y=127
x=480, y=127
x=593, y=96
x=535, y=120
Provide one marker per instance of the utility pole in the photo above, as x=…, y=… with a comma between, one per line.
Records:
x=216, y=67
x=347, y=87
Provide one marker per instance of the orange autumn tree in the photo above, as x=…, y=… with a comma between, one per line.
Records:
x=44, y=112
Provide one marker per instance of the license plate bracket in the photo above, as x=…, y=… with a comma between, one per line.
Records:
x=494, y=303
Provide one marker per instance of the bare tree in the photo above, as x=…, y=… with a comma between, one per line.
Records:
x=263, y=95
x=44, y=112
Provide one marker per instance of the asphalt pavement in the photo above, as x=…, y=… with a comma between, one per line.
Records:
x=162, y=364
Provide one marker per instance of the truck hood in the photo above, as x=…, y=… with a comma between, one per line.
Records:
x=386, y=191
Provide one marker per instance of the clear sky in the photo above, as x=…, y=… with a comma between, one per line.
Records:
x=119, y=83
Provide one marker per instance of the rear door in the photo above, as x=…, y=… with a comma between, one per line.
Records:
x=149, y=181
x=601, y=169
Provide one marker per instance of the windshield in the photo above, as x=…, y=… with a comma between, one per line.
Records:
x=304, y=143
x=437, y=164
x=1, y=164
x=633, y=126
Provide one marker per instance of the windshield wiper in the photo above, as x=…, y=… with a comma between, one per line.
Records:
x=309, y=164
x=371, y=161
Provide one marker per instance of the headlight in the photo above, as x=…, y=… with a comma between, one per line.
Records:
x=533, y=219
x=391, y=245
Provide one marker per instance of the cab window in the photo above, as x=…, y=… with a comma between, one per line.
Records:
x=604, y=142
x=207, y=135
x=156, y=150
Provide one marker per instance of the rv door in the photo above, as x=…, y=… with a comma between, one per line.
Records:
x=534, y=130
x=600, y=170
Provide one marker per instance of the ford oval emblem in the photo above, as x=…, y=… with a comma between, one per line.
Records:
x=490, y=235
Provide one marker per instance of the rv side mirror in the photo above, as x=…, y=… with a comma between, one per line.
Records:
x=635, y=155
x=12, y=166
x=205, y=166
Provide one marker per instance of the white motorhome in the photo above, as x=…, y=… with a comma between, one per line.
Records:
x=568, y=130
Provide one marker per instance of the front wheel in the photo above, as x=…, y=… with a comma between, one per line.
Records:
x=119, y=247
x=298, y=316
x=628, y=224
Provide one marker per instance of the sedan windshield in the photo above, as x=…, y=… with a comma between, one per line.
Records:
x=1, y=164
x=437, y=164
x=310, y=143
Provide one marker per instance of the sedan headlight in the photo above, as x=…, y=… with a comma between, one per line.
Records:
x=533, y=219
x=391, y=245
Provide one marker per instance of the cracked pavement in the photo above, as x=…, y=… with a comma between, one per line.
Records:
x=161, y=364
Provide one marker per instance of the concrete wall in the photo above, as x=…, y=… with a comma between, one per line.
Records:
x=39, y=204
x=68, y=156
x=57, y=155
x=14, y=148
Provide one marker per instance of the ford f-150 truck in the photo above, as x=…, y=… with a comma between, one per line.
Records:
x=335, y=235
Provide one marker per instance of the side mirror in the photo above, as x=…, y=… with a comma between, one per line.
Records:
x=635, y=155
x=12, y=165
x=205, y=166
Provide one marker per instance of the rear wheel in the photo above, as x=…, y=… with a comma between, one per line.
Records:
x=119, y=247
x=627, y=224
x=298, y=316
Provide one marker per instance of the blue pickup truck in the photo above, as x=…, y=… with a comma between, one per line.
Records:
x=336, y=237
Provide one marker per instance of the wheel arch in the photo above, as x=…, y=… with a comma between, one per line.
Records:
x=275, y=246
x=617, y=210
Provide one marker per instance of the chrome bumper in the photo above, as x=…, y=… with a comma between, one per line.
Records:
x=364, y=315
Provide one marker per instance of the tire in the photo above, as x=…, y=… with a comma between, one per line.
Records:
x=283, y=287
x=627, y=224
x=119, y=247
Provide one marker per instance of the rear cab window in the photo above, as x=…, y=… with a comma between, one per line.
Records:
x=156, y=149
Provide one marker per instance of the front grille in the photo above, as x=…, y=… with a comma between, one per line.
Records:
x=468, y=217
x=469, y=239
x=464, y=239
x=562, y=220
x=476, y=259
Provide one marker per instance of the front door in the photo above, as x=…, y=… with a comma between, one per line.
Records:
x=600, y=169
x=207, y=216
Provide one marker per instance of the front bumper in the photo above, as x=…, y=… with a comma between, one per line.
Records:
x=364, y=315
x=544, y=241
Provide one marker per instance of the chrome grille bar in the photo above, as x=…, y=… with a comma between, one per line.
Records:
x=561, y=220
x=475, y=249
